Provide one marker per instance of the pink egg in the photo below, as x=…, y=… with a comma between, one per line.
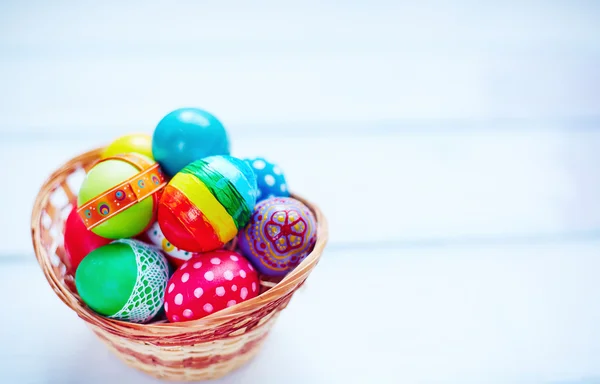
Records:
x=175, y=255
x=208, y=283
x=79, y=241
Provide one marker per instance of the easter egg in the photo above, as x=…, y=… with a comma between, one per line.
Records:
x=186, y=135
x=118, y=197
x=175, y=255
x=138, y=142
x=124, y=280
x=79, y=241
x=269, y=178
x=281, y=233
x=209, y=283
x=205, y=205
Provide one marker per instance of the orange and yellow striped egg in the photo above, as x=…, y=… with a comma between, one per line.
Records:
x=205, y=205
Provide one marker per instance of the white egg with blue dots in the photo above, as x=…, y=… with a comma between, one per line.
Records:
x=269, y=179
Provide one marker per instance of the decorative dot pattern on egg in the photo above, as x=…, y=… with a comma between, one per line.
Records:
x=129, y=222
x=270, y=179
x=175, y=255
x=205, y=205
x=209, y=283
x=124, y=280
x=281, y=233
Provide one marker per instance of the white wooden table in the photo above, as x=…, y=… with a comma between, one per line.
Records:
x=453, y=146
x=500, y=313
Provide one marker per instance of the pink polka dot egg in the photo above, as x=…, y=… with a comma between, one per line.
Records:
x=208, y=283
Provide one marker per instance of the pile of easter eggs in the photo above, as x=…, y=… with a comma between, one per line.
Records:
x=173, y=227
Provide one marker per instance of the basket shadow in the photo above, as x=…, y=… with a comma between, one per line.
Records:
x=91, y=362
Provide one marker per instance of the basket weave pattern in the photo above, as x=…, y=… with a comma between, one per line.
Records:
x=203, y=349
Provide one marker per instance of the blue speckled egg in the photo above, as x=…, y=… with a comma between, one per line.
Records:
x=270, y=179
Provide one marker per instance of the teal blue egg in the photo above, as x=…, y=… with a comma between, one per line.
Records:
x=186, y=135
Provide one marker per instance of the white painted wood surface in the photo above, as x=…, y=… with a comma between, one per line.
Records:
x=467, y=130
x=448, y=314
x=111, y=64
x=474, y=120
x=469, y=185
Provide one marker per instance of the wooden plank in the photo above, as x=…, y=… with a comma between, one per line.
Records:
x=75, y=93
x=507, y=313
x=410, y=187
x=76, y=65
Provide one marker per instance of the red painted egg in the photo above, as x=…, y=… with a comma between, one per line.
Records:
x=208, y=283
x=79, y=241
x=175, y=255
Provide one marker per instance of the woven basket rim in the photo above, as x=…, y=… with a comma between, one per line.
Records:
x=288, y=284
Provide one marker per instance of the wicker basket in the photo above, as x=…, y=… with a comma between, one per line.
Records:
x=203, y=349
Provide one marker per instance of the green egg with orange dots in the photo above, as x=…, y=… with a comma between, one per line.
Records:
x=119, y=196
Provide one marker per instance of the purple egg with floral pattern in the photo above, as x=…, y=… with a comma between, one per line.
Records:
x=281, y=233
